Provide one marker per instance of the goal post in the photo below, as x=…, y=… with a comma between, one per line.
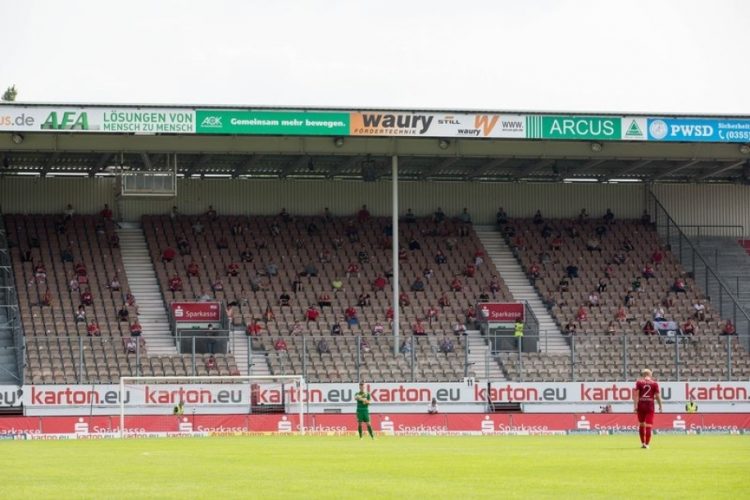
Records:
x=166, y=405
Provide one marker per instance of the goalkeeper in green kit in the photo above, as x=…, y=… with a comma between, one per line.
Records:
x=363, y=410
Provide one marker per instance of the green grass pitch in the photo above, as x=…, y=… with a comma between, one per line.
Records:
x=696, y=466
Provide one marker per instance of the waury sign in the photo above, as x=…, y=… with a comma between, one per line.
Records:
x=196, y=312
x=388, y=124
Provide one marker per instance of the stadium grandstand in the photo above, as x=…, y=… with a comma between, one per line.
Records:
x=347, y=246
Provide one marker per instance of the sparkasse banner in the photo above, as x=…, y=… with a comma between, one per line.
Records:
x=196, y=312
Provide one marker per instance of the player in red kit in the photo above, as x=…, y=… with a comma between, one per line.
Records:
x=646, y=392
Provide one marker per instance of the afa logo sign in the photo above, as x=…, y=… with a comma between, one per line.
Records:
x=66, y=120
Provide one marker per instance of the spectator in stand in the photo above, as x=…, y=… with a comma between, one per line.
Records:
x=351, y=232
x=438, y=216
x=402, y=255
x=621, y=314
x=440, y=257
x=609, y=217
x=611, y=329
x=193, y=269
x=444, y=301
x=629, y=300
x=350, y=315
x=648, y=271
x=106, y=213
x=659, y=314
x=414, y=244
x=418, y=285
x=728, y=328
x=405, y=348
x=168, y=255
x=570, y=328
x=409, y=217
x=46, y=298
x=336, y=329
x=211, y=213
x=364, y=347
x=114, y=241
x=494, y=286
x=363, y=257
x=581, y=315
x=456, y=285
x=323, y=347
x=389, y=315
x=92, y=330
x=69, y=212
x=275, y=229
x=246, y=256
x=40, y=273
x=280, y=345
x=217, y=285
x=379, y=284
x=310, y=270
x=337, y=285
x=86, y=298
x=470, y=271
x=667, y=302
x=324, y=256
x=130, y=299
x=649, y=329
x=312, y=314
x=210, y=363
x=173, y=213
x=233, y=269
x=222, y=243
x=556, y=243
x=679, y=285
x=700, y=311
x=418, y=328
x=583, y=216
x=363, y=300
x=546, y=231
x=378, y=329
x=352, y=269
x=136, y=329
x=465, y=216
x=602, y=285
x=636, y=284
x=253, y=328
x=114, y=284
x=627, y=245
x=572, y=271
x=363, y=215
x=324, y=300
x=459, y=328
x=66, y=255
x=593, y=245
x=432, y=314
x=296, y=285
x=608, y=272
x=688, y=328
x=404, y=300
x=446, y=346
x=204, y=297
x=471, y=314
x=563, y=284
x=73, y=284
x=237, y=229
x=183, y=246
x=501, y=218
x=272, y=269
x=197, y=227
x=534, y=272
x=657, y=257
x=175, y=284
x=483, y=297
x=122, y=315
x=81, y=314
x=619, y=258
x=284, y=299
x=646, y=218
x=600, y=230
x=538, y=219
x=26, y=256
x=594, y=300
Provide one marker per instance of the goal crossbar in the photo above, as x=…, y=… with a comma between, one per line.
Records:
x=246, y=380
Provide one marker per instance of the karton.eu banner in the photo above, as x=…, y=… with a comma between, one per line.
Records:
x=108, y=120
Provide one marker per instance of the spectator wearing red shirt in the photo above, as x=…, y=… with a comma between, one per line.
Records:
x=130, y=299
x=211, y=363
x=728, y=328
x=389, y=315
x=233, y=269
x=456, y=284
x=136, y=329
x=444, y=301
x=280, y=345
x=432, y=313
x=114, y=240
x=581, y=315
x=679, y=286
x=403, y=299
x=86, y=298
x=253, y=328
x=312, y=314
x=92, y=330
x=193, y=269
x=418, y=328
x=106, y=212
x=556, y=243
x=324, y=300
x=46, y=298
x=471, y=314
x=352, y=269
x=379, y=284
x=648, y=271
x=688, y=328
x=168, y=255
x=621, y=314
x=657, y=257
x=350, y=315
x=470, y=271
x=534, y=271
x=175, y=284
x=649, y=329
x=402, y=255
x=363, y=215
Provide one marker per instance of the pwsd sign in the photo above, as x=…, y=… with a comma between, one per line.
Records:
x=196, y=312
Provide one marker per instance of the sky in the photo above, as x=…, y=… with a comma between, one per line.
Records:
x=649, y=56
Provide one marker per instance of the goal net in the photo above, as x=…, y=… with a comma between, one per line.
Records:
x=209, y=405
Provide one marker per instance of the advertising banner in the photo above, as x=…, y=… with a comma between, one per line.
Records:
x=196, y=312
x=238, y=122
x=698, y=130
x=92, y=427
x=111, y=120
x=449, y=125
x=499, y=312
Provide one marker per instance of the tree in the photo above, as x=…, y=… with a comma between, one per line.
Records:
x=10, y=94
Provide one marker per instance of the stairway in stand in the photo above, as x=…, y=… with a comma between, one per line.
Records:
x=551, y=339
x=482, y=365
x=141, y=275
x=258, y=361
